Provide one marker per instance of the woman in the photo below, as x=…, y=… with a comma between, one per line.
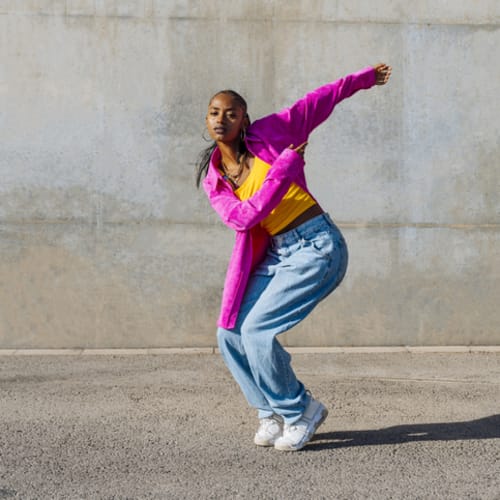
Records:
x=288, y=254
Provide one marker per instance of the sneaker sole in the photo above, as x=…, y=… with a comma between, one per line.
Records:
x=322, y=418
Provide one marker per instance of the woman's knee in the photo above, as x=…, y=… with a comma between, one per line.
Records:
x=227, y=338
x=222, y=332
x=222, y=337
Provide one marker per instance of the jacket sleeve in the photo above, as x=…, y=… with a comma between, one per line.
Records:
x=300, y=119
x=243, y=215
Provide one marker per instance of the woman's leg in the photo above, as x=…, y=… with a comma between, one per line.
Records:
x=233, y=353
x=299, y=271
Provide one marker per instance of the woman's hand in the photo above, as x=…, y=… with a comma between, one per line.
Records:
x=299, y=149
x=383, y=73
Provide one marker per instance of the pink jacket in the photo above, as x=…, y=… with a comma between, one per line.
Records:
x=269, y=138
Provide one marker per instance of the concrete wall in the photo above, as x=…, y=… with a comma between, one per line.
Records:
x=105, y=242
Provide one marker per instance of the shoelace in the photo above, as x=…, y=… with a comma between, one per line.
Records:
x=266, y=423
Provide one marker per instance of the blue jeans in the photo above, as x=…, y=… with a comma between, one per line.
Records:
x=301, y=268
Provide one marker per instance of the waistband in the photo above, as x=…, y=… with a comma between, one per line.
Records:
x=306, y=230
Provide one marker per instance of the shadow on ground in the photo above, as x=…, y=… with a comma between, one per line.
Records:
x=483, y=428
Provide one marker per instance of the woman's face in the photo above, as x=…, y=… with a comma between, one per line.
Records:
x=225, y=119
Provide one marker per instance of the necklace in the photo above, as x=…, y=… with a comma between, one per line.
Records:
x=234, y=177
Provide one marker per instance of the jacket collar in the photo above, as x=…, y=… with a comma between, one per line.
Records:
x=213, y=175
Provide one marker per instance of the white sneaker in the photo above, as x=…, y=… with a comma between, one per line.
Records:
x=297, y=435
x=270, y=429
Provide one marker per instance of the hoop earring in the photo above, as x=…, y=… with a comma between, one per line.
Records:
x=243, y=134
x=203, y=135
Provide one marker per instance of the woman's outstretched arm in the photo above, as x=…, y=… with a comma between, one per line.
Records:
x=295, y=123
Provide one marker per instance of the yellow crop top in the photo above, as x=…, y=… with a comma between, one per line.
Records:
x=295, y=202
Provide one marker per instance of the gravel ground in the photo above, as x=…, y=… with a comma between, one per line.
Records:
x=175, y=426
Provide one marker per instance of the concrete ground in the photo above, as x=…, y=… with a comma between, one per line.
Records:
x=174, y=426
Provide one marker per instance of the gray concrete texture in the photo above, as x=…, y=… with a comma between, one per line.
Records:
x=105, y=242
x=401, y=426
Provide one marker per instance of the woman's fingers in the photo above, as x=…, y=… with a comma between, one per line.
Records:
x=383, y=73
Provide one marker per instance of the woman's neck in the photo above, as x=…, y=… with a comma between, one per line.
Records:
x=229, y=154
